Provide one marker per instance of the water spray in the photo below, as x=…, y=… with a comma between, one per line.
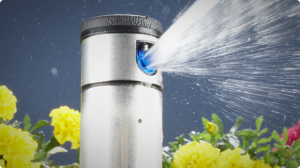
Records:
x=121, y=123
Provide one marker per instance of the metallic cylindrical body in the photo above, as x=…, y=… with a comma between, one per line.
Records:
x=121, y=111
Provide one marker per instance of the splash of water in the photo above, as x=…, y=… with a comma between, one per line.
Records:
x=244, y=53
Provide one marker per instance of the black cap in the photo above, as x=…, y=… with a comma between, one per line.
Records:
x=120, y=24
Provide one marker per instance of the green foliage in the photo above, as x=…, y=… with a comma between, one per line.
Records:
x=205, y=136
x=204, y=122
x=258, y=123
x=27, y=123
x=285, y=135
x=276, y=137
x=236, y=125
x=39, y=124
x=218, y=122
x=252, y=136
x=252, y=143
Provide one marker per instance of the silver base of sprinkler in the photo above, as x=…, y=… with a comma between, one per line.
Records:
x=121, y=127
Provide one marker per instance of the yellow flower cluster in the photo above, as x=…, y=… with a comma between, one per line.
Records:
x=7, y=103
x=204, y=155
x=262, y=164
x=233, y=158
x=17, y=148
x=19, y=164
x=196, y=155
x=66, y=124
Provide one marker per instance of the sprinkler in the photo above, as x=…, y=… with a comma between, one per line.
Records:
x=121, y=104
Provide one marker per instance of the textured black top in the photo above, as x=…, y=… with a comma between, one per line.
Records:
x=120, y=24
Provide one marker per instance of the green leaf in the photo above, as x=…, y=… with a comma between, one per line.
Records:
x=39, y=124
x=40, y=139
x=264, y=140
x=253, y=145
x=258, y=123
x=212, y=140
x=276, y=136
x=168, y=153
x=297, y=154
x=166, y=161
x=180, y=140
x=292, y=164
x=263, y=149
x=236, y=125
x=269, y=158
x=40, y=156
x=245, y=143
x=246, y=133
x=278, y=146
x=174, y=146
x=218, y=122
x=53, y=143
x=204, y=121
x=296, y=145
x=263, y=131
x=46, y=143
x=205, y=136
x=27, y=123
x=285, y=135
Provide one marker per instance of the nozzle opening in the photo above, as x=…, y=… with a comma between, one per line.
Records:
x=142, y=48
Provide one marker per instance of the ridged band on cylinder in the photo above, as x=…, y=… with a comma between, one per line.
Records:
x=120, y=24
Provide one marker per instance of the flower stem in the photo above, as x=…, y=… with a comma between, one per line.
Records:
x=78, y=152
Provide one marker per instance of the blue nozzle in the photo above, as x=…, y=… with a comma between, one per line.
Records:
x=143, y=63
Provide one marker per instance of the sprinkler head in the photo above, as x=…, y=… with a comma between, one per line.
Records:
x=142, y=48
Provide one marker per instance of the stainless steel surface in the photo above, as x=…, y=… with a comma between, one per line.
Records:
x=121, y=127
x=112, y=57
x=121, y=120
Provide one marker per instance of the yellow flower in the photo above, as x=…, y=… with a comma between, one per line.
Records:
x=233, y=158
x=14, y=143
x=7, y=103
x=19, y=163
x=196, y=155
x=212, y=128
x=261, y=164
x=2, y=163
x=66, y=124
